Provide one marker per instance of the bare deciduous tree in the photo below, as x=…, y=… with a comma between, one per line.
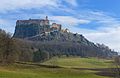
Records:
x=117, y=67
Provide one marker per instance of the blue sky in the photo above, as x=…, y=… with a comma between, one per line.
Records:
x=97, y=20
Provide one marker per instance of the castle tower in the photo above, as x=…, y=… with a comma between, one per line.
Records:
x=46, y=17
x=46, y=20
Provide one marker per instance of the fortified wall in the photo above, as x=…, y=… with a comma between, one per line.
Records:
x=33, y=27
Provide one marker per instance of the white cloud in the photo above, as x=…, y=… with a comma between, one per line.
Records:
x=7, y=25
x=2, y=21
x=102, y=19
x=72, y=2
x=69, y=20
x=105, y=20
x=18, y=4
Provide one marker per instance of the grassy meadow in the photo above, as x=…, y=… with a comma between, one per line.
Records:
x=67, y=69
x=76, y=62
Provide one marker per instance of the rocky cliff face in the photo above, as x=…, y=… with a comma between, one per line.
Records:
x=26, y=31
x=60, y=37
x=31, y=27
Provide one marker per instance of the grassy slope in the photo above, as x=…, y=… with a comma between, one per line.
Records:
x=80, y=62
x=27, y=71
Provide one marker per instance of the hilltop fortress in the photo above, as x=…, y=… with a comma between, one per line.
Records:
x=56, y=40
x=33, y=27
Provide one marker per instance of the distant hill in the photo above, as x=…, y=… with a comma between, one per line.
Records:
x=58, y=41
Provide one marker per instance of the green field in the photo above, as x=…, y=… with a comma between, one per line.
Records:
x=76, y=62
x=68, y=71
